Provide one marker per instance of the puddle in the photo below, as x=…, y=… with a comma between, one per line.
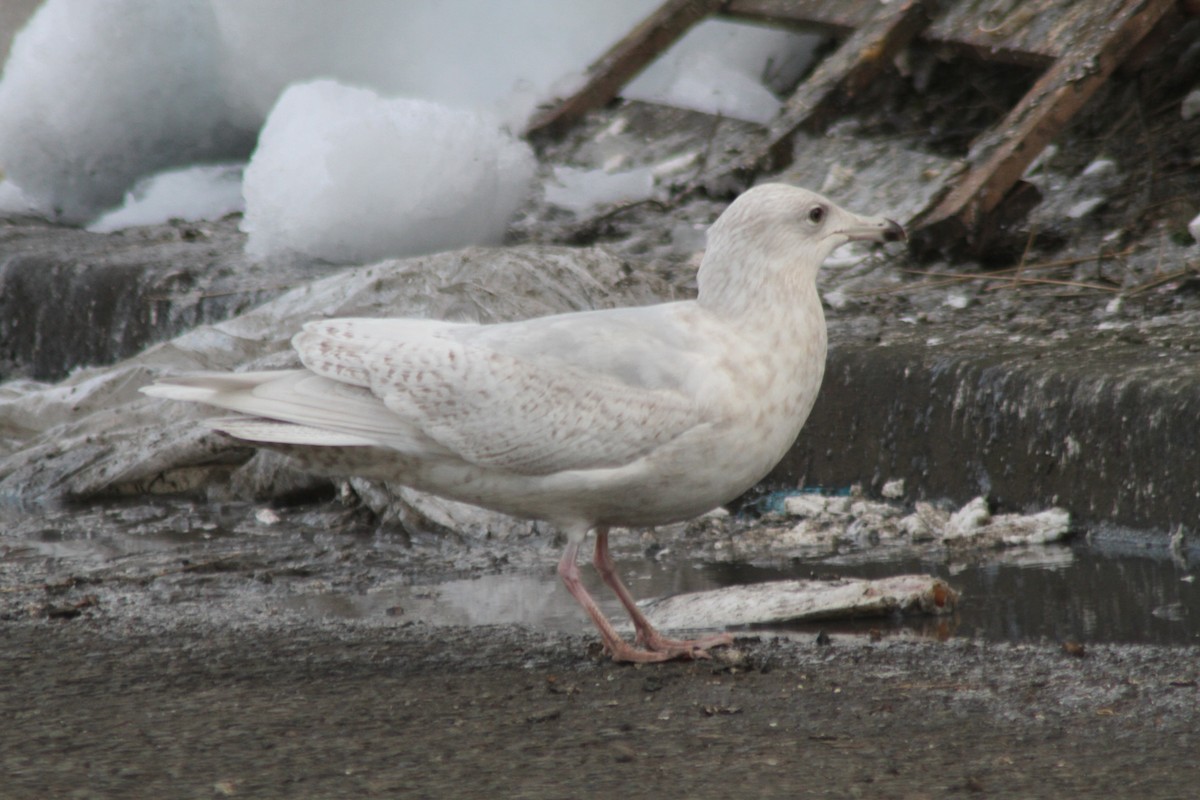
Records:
x=1103, y=588
x=1052, y=593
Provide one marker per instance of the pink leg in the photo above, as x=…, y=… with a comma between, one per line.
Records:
x=568, y=570
x=646, y=634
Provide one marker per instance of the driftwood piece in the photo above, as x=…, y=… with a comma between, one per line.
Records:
x=623, y=61
x=998, y=159
x=803, y=601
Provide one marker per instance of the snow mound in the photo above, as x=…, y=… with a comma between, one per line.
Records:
x=343, y=175
x=96, y=95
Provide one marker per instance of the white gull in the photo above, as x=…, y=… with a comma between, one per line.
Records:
x=624, y=417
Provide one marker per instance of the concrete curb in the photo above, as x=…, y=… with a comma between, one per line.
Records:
x=1107, y=428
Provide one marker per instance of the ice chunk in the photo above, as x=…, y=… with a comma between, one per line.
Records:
x=96, y=95
x=502, y=58
x=581, y=190
x=192, y=193
x=344, y=175
x=727, y=68
x=702, y=82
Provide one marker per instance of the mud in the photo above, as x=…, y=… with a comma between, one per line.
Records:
x=343, y=710
x=213, y=650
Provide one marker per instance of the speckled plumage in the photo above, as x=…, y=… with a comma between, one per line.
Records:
x=623, y=417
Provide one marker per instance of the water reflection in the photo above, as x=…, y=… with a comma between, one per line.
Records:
x=1056, y=593
x=1052, y=593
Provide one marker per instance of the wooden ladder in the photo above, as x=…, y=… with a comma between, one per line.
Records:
x=1078, y=45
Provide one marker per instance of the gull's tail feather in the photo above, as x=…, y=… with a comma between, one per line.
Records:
x=295, y=407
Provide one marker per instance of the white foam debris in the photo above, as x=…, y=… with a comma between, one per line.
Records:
x=95, y=95
x=726, y=68
x=893, y=489
x=814, y=525
x=811, y=505
x=344, y=175
x=967, y=520
x=1194, y=228
x=974, y=524
x=209, y=191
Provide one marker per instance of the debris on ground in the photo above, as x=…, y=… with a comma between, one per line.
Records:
x=974, y=524
x=803, y=601
x=807, y=524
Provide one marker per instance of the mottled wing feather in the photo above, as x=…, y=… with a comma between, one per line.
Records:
x=498, y=410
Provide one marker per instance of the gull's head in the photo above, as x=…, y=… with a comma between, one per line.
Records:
x=776, y=236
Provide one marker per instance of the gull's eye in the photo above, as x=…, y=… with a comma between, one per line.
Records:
x=816, y=214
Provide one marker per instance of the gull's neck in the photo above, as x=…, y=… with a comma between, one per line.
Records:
x=760, y=298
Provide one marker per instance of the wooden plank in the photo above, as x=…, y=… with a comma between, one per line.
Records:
x=1031, y=33
x=844, y=74
x=998, y=159
x=840, y=18
x=605, y=78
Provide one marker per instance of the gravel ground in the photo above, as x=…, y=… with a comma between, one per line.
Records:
x=344, y=710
